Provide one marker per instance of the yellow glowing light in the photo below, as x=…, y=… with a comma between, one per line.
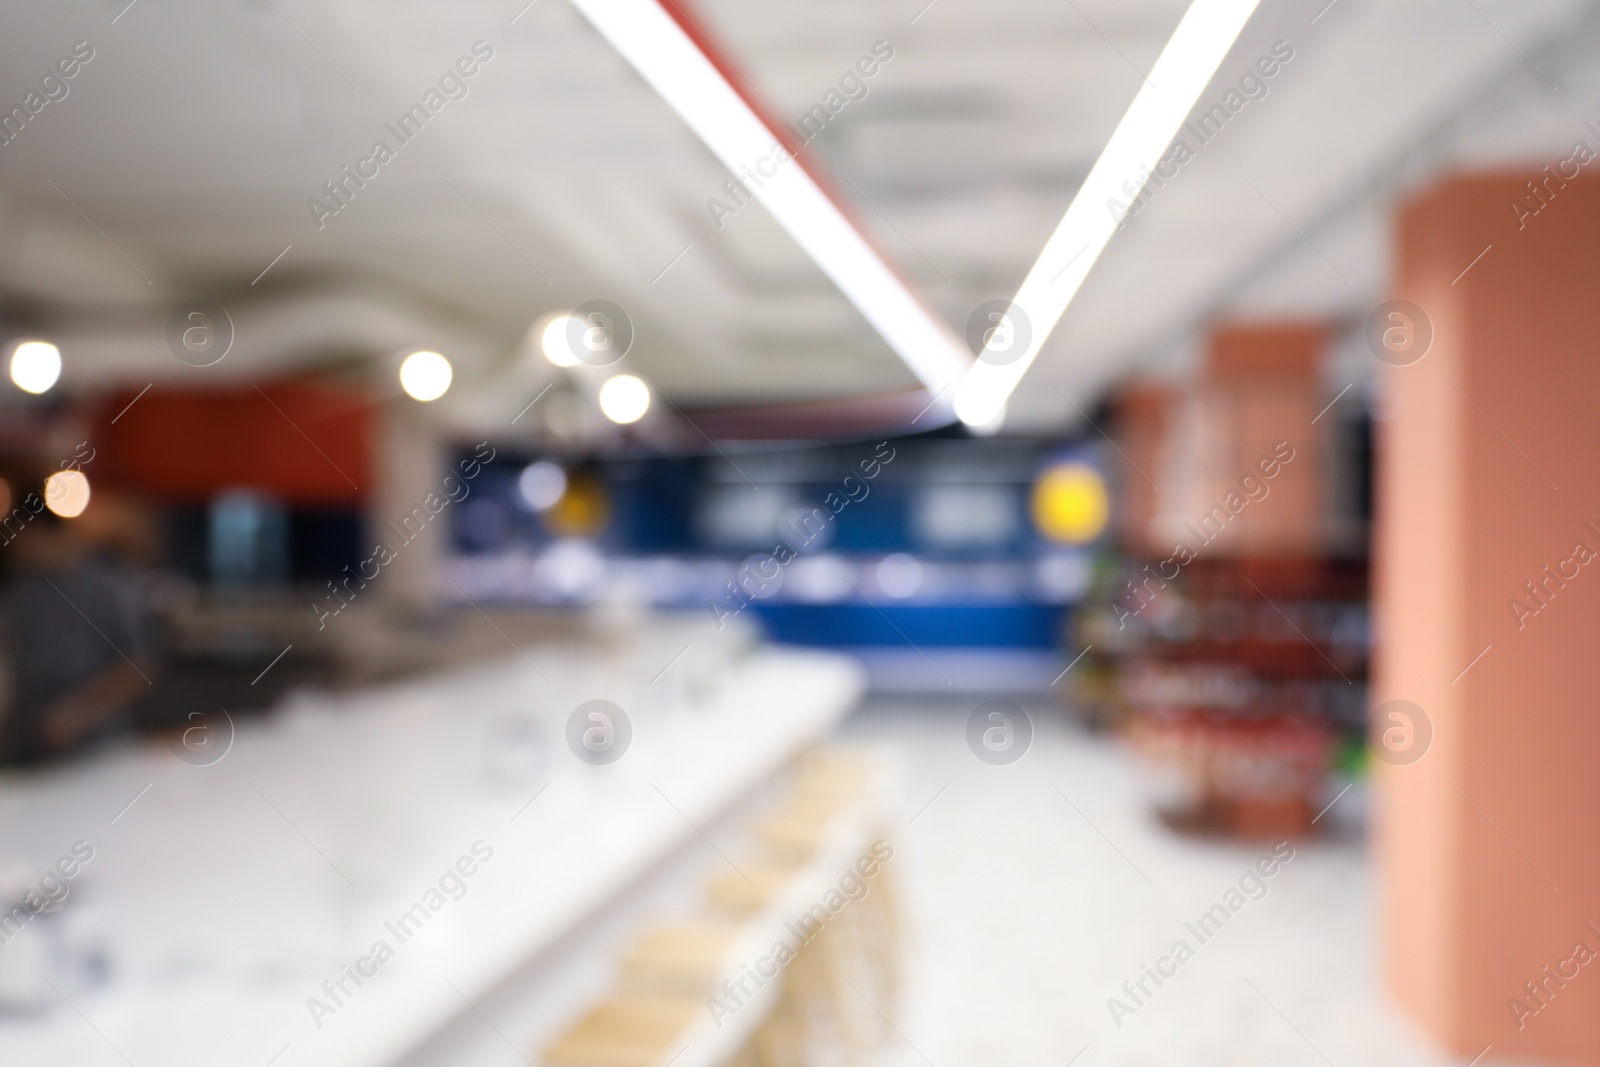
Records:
x=67, y=493
x=425, y=375
x=583, y=510
x=1071, y=504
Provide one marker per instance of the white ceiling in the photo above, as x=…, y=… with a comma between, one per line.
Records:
x=191, y=143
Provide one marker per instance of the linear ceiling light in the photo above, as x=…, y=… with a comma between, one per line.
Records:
x=675, y=66
x=1187, y=65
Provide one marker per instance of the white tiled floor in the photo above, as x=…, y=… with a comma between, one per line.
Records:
x=1032, y=892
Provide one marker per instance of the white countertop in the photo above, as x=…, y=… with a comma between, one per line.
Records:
x=232, y=891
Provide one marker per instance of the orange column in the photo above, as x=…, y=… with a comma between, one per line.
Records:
x=1144, y=428
x=1488, y=611
x=1255, y=402
x=1261, y=390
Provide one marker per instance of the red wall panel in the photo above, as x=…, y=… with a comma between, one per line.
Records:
x=306, y=443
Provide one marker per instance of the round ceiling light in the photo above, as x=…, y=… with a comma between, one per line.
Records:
x=553, y=341
x=35, y=366
x=67, y=493
x=425, y=375
x=624, y=399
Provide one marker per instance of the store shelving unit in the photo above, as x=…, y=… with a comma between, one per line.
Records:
x=1241, y=681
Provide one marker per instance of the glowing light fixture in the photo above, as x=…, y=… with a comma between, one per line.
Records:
x=624, y=399
x=583, y=510
x=35, y=366
x=425, y=375
x=67, y=493
x=675, y=67
x=542, y=485
x=1070, y=504
x=900, y=575
x=1186, y=66
x=553, y=341
x=990, y=426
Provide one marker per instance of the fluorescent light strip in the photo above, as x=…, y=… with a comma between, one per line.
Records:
x=674, y=66
x=1187, y=65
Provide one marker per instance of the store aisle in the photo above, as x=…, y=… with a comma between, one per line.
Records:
x=1032, y=892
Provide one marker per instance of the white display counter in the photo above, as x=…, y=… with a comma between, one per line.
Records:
x=230, y=893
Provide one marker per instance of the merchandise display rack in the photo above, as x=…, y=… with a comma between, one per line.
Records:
x=1241, y=681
